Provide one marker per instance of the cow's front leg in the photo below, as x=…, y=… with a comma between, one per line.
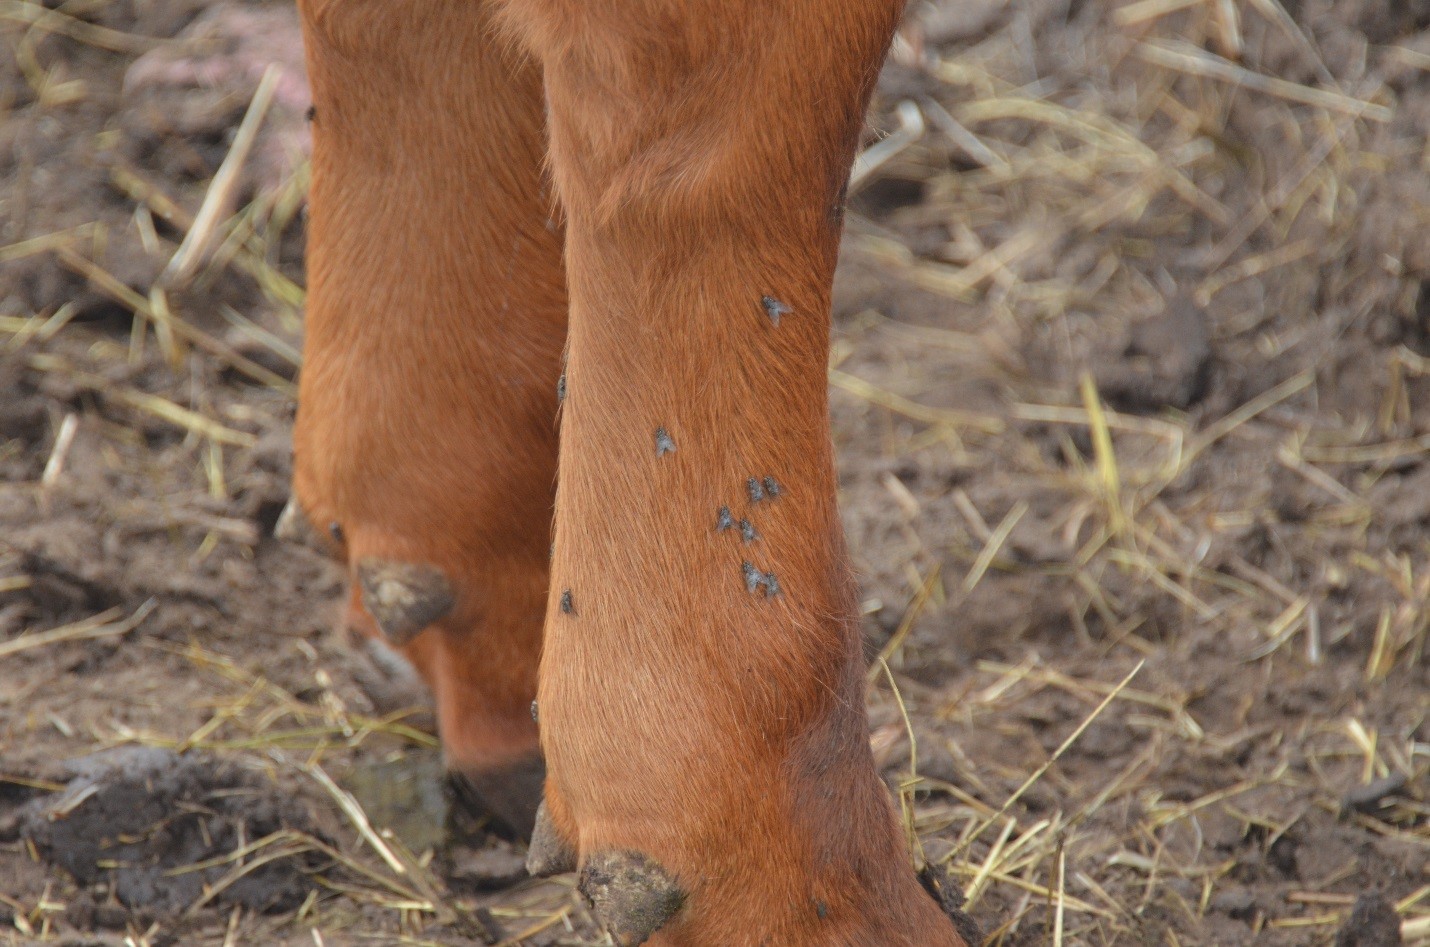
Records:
x=700, y=697
x=425, y=445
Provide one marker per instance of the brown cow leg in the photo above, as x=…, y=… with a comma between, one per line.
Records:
x=425, y=447
x=701, y=686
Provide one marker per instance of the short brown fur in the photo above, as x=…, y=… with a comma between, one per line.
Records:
x=436, y=315
x=700, y=691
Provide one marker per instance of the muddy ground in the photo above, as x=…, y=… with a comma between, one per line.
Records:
x=1131, y=390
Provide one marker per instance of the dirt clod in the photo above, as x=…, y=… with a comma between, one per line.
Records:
x=1369, y=798
x=141, y=819
x=1373, y=922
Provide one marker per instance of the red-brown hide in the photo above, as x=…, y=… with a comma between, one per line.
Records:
x=700, y=692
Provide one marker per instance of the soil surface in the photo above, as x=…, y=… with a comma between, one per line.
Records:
x=1131, y=391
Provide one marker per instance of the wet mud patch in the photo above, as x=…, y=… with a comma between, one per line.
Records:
x=167, y=832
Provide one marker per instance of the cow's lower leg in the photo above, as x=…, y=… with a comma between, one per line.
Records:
x=701, y=700
x=425, y=442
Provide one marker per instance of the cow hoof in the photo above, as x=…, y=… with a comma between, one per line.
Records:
x=548, y=854
x=631, y=896
x=509, y=793
x=403, y=597
x=293, y=527
x=950, y=898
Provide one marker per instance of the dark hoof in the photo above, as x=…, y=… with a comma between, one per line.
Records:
x=631, y=896
x=508, y=794
x=549, y=854
x=293, y=526
x=403, y=597
x=950, y=897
